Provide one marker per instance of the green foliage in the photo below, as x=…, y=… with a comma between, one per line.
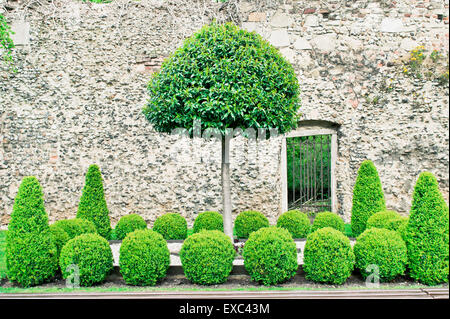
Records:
x=427, y=233
x=368, y=197
x=2, y=254
x=208, y=221
x=31, y=254
x=171, y=226
x=128, y=224
x=60, y=237
x=207, y=257
x=328, y=219
x=6, y=43
x=296, y=222
x=224, y=77
x=328, y=256
x=383, y=248
x=144, y=257
x=75, y=227
x=270, y=255
x=348, y=230
x=92, y=203
x=249, y=221
x=382, y=219
x=91, y=254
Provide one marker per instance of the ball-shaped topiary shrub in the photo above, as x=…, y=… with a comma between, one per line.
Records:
x=171, y=226
x=427, y=233
x=382, y=219
x=60, y=237
x=270, y=255
x=368, y=197
x=208, y=221
x=128, y=224
x=31, y=253
x=75, y=227
x=144, y=257
x=328, y=219
x=207, y=257
x=296, y=222
x=328, y=256
x=92, y=204
x=249, y=221
x=400, y=226
x=383, y=248
x=91, y=254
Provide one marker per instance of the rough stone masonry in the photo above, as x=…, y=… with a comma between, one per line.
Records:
x=82, y=71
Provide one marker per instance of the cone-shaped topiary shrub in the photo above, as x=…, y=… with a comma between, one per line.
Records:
x=31, y=253
x=208, y=221
x=91, y=254
x=60, y=237
x=144, y=257
x=75, y=227
x=328, y=219
x=248, y=222
x=128, y=224
x=427, y=234
x=207, y=257
x=296, y=222
x=171, y=226
x=368, y=197
x=270, y=255
x=93, y=204
x=383, y=248
x=328, y=256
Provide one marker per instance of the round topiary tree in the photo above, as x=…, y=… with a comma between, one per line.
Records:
x=31, y=253
x=328, y=219
x=382, y=219
x=60, y=237
x=75, y=227
x=207, y=257
x=383, y=248
x=128, y=224
x=91, y=254
x=249, y=221
x=208, y=221
x=368, y=197
x=296, y=222
x=226, y=79
x=171, y=226
x=92, y=204
x=328, y=256
x=144, y=257
x=270, y=255
x=427, y=234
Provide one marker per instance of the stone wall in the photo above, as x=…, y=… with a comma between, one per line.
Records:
x=82, y=70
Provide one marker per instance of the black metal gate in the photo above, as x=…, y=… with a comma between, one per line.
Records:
x=309, y=173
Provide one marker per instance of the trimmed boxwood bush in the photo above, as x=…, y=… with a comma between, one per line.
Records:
x=270, y=255
x=60, y=237
x=248, y=222
x=368, y=197
x=91, y=254
x=93, y=204
x=427, y=234
x=328, y=219
x=296, y=222
x=144, y=257
x=208, y=221
x=128, y=224
x=171, y=226
x=207, y=257
x=328, y=256
x=382, y=219
x=31, y=253
x=384, y=248
x=75, y=227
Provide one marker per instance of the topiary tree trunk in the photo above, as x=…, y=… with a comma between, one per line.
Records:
x=368, y=197
x=31, y=254
x=226, y=188
x=427, y=233
x=92, y=204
